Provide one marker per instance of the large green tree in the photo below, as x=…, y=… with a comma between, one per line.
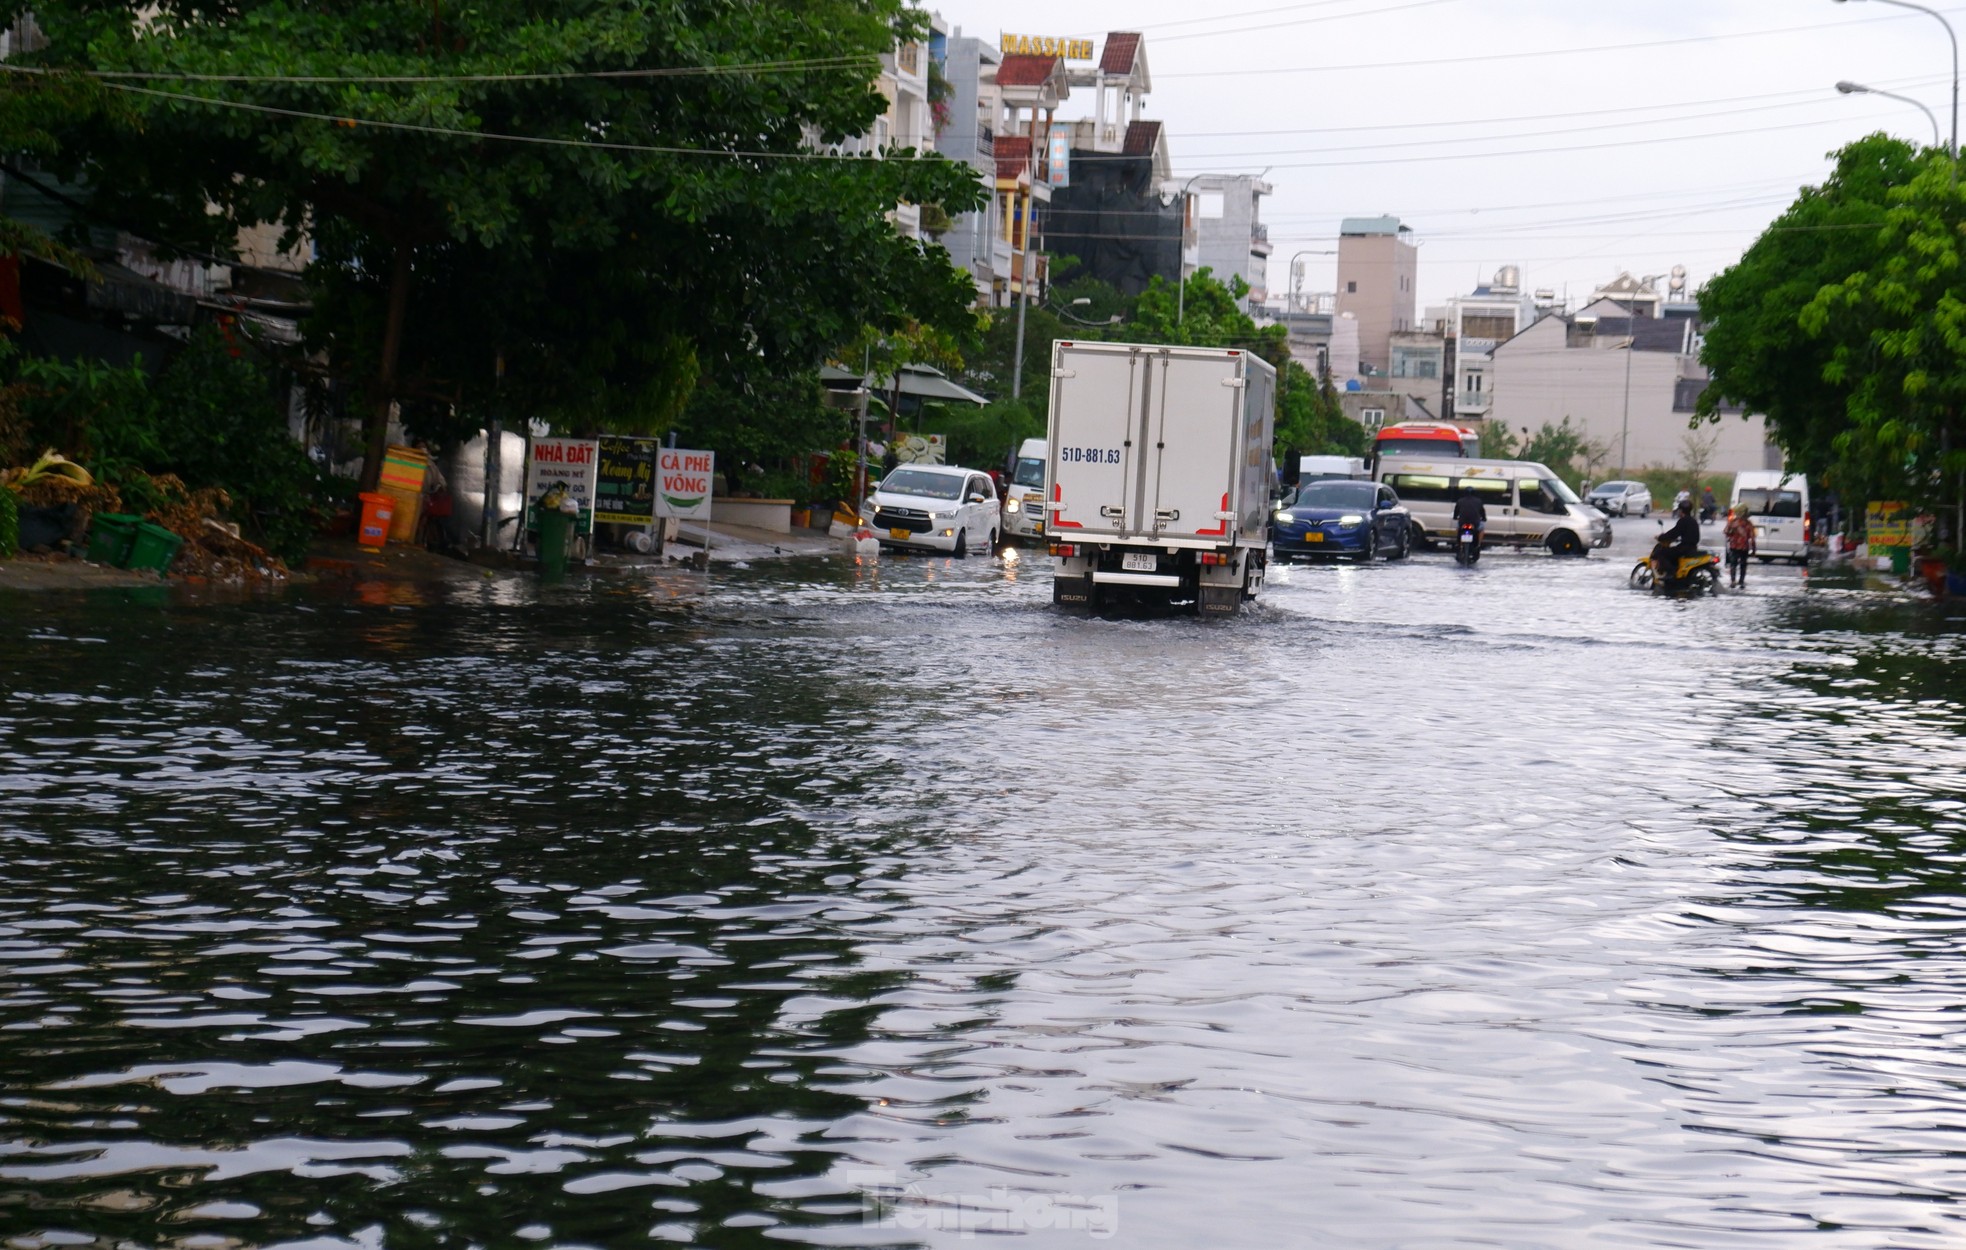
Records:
x=1845, y=325
x=620, y=197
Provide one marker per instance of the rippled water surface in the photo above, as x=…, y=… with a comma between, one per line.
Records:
x=822, y=904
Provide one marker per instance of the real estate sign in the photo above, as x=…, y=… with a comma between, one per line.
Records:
x=572, y=462
x=683, y=481
x=1887, y=523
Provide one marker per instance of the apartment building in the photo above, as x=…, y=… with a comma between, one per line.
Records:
x=1224, y=227
x=1378, y=271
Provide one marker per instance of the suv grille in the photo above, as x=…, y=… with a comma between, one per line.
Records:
x=912, y=519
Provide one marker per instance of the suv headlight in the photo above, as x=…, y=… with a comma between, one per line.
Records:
x=1351, y=518
x=1284, y=518
x=942, y=516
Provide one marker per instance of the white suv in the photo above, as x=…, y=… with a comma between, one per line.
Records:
x=936, y=507
x=1621, y=498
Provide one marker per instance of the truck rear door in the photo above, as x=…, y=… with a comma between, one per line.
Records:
x=1192, y=437
x=1094, y=441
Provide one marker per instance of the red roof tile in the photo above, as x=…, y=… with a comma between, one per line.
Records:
x=1121, y=48
x=1141, y=137
x=1023, y=70
x=1013, y=153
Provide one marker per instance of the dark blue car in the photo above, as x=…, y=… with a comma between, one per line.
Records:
x=1341, y=518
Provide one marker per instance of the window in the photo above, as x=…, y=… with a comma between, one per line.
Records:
x=1493, y=492
x=1771, y=502
x=1535, y=499
x=1387, y=499
x=981, y=486
x=1351, y=288
x=1474, y=383
x=1372, y=418
x=1421, y=487
x=1029, y=472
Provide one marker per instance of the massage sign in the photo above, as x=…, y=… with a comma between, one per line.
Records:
x=683, y=483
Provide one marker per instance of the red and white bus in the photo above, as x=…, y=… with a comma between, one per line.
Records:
x=1426, y=438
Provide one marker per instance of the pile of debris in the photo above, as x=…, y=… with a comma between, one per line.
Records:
x=213, y=549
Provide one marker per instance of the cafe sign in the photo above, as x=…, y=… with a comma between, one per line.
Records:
x=683, y=480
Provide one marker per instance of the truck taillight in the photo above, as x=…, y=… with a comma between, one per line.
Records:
x=1218, y=557
x=1064, y=549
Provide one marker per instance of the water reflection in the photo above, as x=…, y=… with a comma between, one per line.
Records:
x=1511, y=910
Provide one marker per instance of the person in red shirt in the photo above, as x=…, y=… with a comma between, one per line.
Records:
x=1740, y=545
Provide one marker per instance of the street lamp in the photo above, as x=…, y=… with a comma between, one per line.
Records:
x=1082, y=302
x=1625, y=425
x=1181, y=262
x=1954, y=147
x=1295, y=285
x=1857, y=88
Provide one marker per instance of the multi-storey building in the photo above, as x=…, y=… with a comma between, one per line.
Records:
x=1378, y=268
x=977, y=241
x=1630, y=383
x=1225, y=228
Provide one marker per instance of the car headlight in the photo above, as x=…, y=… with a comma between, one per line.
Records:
x=1285, y=518
x=941, y=516
x=1351, y=518
x=1013, y=505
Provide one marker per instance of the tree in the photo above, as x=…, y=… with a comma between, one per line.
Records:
x=1696, y=449
x=1556, y=447
x=1497, y=440
x=612, y=195
x=1842, y=325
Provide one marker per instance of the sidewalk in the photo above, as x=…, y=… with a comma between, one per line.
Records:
x=730, y=543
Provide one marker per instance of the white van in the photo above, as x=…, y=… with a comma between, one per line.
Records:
x=1329, y=468
x=1023, y=493
x=1778, y=504
x=1527, y=504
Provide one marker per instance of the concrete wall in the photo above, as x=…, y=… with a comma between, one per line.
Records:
x=1376, y=280
x=1537, y=379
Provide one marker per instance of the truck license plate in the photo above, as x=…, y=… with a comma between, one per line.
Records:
x=1138, y=561
x=899, y=535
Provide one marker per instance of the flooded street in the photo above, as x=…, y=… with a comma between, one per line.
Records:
x=877, y=905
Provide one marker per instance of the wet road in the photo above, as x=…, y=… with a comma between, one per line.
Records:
x=837, y=905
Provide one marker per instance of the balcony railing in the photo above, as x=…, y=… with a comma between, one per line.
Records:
x=909, y=59
x=1473, y=401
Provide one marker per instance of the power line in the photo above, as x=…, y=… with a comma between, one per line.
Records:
x=822, y=64
x=1481, y=58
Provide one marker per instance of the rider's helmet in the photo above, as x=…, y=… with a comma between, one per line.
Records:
x=1683, y=505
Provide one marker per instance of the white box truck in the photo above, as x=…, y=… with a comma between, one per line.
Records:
x=1157, y=486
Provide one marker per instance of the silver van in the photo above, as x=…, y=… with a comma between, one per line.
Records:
x=1527, y=504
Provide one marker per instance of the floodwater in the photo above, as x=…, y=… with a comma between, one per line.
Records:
x=868, y=905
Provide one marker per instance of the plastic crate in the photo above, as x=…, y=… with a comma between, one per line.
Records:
x=111, y=534
x=154, y=548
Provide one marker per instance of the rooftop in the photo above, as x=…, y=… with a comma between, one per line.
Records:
x=1121, y=49
x=1372, y=225
x=1024, y=70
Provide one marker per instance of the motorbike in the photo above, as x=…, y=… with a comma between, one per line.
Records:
x=1467, y=543
x=1697, y=572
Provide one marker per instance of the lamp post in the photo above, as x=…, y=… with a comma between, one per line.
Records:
x=1295, y=285
x=1083, y=302
x=1181, y=260
x=1857, y=88
x=1934, y=13
x=1625, y=425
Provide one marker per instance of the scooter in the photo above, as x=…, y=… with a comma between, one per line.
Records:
x=1467, y=543
x=1697, y=572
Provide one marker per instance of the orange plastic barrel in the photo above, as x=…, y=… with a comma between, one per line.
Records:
x=377, y=512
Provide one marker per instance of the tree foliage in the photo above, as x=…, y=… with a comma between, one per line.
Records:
x=1845, y=325
x=621, y=197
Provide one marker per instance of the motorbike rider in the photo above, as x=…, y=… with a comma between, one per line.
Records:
x=1468, y=511
x=1683, y=539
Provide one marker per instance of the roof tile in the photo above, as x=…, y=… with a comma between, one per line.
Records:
x=1121, y=48
x=1141, y=137
x=1013, y=153
x=1024, y=70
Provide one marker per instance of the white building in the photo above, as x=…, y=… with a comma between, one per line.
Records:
x=1225, y=232
x=1630, y=383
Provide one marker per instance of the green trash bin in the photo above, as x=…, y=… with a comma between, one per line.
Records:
x=111, y=535
x=555, y=531
x=1901, y=561
x=154, y=548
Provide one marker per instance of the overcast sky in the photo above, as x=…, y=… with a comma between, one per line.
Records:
x=1574, y=140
